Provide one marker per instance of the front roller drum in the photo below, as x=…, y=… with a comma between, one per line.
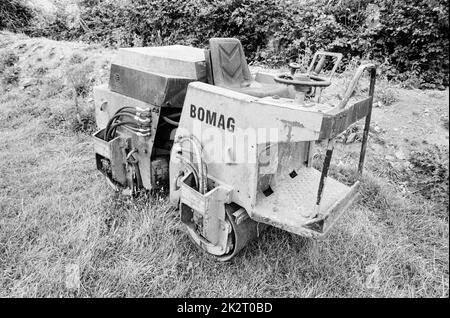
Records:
x=242, y=230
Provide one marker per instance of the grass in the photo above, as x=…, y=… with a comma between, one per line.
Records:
x=57, y=213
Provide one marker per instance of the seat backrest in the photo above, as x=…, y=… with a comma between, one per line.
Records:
x=228, y=64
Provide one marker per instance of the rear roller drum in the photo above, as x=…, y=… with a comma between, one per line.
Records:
x=242, y=230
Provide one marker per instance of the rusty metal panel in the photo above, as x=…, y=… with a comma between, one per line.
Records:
x=118, y=161
x=154, y=88
x=336, y=121
x=101, y=146
x=194, y=199
x=291, y=205
x=106, y=105
x=340, y=207
x=176, y=60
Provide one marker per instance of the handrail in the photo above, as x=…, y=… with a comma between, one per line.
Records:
x=352, y=85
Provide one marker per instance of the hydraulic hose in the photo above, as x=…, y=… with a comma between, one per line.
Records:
x=202, y=171
x=170, y=121
x=141, y=119
x=194, y=170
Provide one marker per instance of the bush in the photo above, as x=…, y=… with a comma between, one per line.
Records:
x=83, y=122
x=15, y=15
x=7, y=59
x=11, y=75
x=80, y=78
x=430, y=175
x=407, y=38
x=444, y=120
x=386, y=95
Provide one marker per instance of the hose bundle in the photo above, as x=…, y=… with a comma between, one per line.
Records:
x=136, y=119
x=200, y=174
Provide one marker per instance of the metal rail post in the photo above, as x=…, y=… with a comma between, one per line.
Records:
x=362, y=155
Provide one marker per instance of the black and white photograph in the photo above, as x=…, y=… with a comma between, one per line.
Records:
x=224, y=154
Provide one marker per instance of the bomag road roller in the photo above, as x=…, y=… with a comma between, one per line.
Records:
x=234, y=148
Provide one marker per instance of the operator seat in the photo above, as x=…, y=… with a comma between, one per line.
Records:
x=230, y=70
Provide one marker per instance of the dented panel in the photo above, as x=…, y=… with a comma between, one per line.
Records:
x=338, y=120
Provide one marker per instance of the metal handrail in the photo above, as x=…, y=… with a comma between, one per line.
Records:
x=352, y=85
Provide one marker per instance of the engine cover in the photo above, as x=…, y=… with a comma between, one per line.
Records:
x=157, y=75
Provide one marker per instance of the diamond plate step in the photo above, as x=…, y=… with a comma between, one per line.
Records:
x=293, y=200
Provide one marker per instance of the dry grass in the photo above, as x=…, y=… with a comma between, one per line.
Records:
x=56, y=213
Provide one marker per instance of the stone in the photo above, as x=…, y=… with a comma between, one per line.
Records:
x=351, y=138
x=400, y=155
x=29, y=83
x=73, y=277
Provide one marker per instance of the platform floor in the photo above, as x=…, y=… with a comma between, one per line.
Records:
x=293, y=200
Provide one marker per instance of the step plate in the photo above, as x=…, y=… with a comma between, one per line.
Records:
x=292, y=203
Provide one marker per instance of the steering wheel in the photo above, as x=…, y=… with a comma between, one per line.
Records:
x=302, y=82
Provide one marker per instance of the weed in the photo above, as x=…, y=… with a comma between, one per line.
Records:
x=83, y=122
x=413, y=81
x=7, y=59
x=77, y=58
x=53, y=86
x=55, y=120
x=429, y=176
x=41, y=70
x=386, y=95
x=444, y=120
x=80, y=78
x=11, y=75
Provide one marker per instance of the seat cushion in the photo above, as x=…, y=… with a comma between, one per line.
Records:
x=230, y=70
x=229, y=67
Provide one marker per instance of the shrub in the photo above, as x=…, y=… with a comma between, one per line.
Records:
x=11, y=75
x=429, y=176
x=83, y=122
x=386, y=95
x=444, y=120
x=15, y=15
x=7, y=59
x=407, y=38
x=79, y=77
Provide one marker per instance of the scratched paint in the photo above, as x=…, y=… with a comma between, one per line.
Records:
x=289, y=125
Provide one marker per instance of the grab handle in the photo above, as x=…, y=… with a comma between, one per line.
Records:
x=352, y=85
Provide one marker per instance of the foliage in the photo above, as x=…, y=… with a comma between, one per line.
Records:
x=7, y=58
x=9, y=72
x=15, y=15
x=11, y=75
x=444, y=120
x=386, y=95
x=408, y=38
x=430, y=175
x=84, y=122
